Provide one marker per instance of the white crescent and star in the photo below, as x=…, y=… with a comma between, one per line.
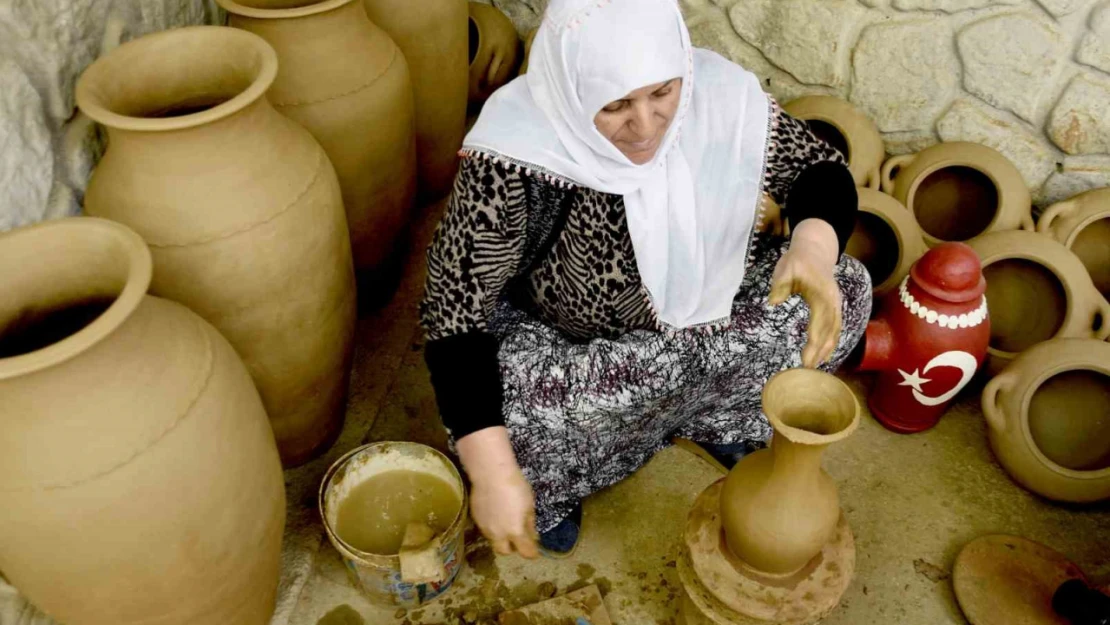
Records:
x=965, y=362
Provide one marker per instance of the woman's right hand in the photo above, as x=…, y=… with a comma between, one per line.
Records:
x=501, y=500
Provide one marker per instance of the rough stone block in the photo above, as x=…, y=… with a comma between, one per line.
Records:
x=905, y=73
x=1094, y=50
x=968, y=120
x=1060, y=8
x=810, y=40
x=1077, y=175
x=949, y=6
x=1080, y=123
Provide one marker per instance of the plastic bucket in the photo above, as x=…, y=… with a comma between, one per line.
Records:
x=379, y=576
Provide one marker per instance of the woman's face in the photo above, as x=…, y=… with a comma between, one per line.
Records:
x=636, y=123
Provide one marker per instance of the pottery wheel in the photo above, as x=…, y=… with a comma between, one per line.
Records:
x=1006, y=580
x=729, y=593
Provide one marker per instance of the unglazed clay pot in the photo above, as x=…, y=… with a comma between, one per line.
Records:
x=242, y=211
x=847, y=129
x=139, y=480
x=779, y=508
x=958, y=191
x=1083, y=225
x=928, y=340
x=343, y=79
x=1049, y=419
x=886, y=240
x=495, y=51
x=433, y=35
x=1036, y=290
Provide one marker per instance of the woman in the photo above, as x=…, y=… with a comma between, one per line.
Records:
x=597, y=287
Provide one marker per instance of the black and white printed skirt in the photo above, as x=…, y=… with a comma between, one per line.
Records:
x=584, y=416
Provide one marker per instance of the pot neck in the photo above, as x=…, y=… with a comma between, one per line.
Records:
x=795, y=457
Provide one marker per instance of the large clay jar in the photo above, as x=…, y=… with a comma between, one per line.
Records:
x=529, y=38
x=847, y=129
x=495, y=51
x=779, y=508
x=958, y=191
x=139, y=480
x=344, y=79
x=1036, y=290
x=433, y=36
x=1049, y=419
x=242, y=211
x=886, y=240
x=1083, y=225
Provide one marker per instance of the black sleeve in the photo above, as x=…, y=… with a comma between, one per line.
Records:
x=466, y=377
x=809, y=178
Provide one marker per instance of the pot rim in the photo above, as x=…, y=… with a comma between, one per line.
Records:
x=870, y=207
x=1038, y=381
x=1069, y=292
x=312, y=8
x=139, y=272
x=807, y=437
x=956, y=161
x=394, y=560
x=92, y=104
x=1098, y=215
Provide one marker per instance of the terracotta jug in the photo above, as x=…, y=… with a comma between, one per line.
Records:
x=779, y=507
x=1049, y=419
x=139, y=480
x=958, y=191
x=847, y=129
x=886, y=240
x=1083, y=225
x=241, y=209
x=344, y=79
x=495, y=51
x=928, y=340
x=433, y=36
x=1036, y=290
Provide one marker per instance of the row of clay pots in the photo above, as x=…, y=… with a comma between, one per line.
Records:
x=1047, y=405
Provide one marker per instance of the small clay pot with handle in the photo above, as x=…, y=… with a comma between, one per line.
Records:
x=958, y=191
x=847, y=129
x=1037, y=290
x=1083, y=225
x=1048, y=417
x=886, y=240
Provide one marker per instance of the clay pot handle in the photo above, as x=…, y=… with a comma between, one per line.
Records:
x=1027, y=223
x=1052, y=213
x=874, y=180
x=1101, y=322
x=991, y=410
x=889, y=167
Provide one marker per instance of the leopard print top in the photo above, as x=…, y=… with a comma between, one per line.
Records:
x=583, y=279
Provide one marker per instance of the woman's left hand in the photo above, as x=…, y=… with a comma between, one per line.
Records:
x=806, y=269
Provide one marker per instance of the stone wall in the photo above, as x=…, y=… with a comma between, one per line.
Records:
x=46, y=149
x=1030, y=78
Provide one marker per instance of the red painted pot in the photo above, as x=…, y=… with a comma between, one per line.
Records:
x=929, y=339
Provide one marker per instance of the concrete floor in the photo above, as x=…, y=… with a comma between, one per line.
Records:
x=913, y=502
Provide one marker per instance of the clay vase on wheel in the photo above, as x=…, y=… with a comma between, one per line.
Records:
x=433, y=35
x=1049, y=419
x=344, y=79
x=139, y=480
x=886, y=240
x=242, y=211
x=958, y=191
x=846, y=128
x=1036, y=290
x=1083, y=225
x=779, y=508
x=495, y=51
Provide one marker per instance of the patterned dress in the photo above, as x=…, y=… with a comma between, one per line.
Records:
x=537, y=320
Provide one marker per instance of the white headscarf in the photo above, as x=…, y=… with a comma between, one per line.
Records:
x=691, y=209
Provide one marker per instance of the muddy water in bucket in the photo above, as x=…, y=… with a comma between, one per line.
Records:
x=368, y=497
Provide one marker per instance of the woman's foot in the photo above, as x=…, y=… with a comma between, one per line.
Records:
x=561, y=540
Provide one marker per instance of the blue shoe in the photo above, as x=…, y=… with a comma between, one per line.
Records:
x=561, y=540
x=729, y=455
